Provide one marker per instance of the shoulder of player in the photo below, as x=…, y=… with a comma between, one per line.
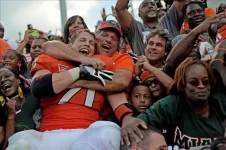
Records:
x=48, y=59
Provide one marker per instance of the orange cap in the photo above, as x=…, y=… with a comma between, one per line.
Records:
x=145, y=75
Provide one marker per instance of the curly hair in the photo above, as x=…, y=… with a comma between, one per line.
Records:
x=178, y=85
x=163, y=33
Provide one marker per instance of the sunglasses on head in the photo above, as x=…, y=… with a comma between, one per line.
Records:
x=150, y=82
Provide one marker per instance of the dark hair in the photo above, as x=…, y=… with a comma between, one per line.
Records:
x=184, y=9
x=69, y=22
x=23, y=69
x=163, y=33
x=177, y=86
x=143, y=143
x=135, y=84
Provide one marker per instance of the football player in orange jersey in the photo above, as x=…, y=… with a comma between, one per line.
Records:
x=107, y=36
x=89, y=98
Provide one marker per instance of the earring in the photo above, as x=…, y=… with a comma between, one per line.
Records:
x=20, y=92
x=2, y=100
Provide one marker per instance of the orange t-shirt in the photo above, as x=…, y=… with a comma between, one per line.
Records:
x=121, y=61
x=209, y=12
x=4, y=46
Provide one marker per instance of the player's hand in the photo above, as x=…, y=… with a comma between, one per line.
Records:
x=89, y=73
x=105, y=74
x=95, y=62
x=130, y=130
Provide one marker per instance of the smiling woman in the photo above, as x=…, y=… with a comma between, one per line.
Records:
x=194, y=112
x=19, y=102
x=72, y=26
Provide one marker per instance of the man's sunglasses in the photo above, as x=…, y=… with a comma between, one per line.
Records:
x=150, y=82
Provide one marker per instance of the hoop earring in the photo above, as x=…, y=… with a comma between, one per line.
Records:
x=2, y=100
x=20, y=92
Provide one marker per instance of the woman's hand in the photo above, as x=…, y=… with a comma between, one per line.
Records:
x=11, y=108
x=130, y=130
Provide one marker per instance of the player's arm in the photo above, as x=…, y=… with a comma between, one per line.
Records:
x=119, y=105
x=62, y=51
x=123, y=15
x=45, y=83
x=120, y=81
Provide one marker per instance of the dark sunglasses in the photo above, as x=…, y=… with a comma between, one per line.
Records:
x=150, y=82
x=196, y=83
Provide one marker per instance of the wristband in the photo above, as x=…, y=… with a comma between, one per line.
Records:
x=75, y=73
x=122, y=111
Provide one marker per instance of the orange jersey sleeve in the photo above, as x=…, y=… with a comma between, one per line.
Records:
x=49, y=63
x=123, y=61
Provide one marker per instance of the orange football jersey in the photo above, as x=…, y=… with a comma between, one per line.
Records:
x=120, y=61
x=73, y=108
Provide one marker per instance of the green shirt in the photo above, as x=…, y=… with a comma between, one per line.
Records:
x=28, y=73
x=181, y=126
x=24, y=119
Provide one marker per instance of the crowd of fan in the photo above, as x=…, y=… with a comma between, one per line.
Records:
x=155, y=85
